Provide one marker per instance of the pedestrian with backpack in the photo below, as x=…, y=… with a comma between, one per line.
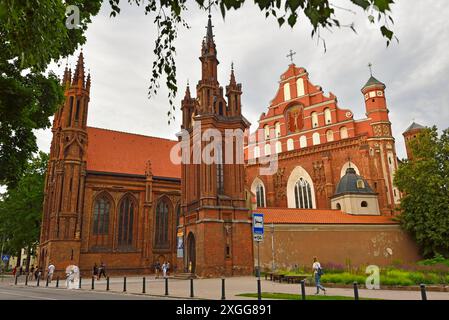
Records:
x=317, y=273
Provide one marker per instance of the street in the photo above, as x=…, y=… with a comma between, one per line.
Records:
x=41, y=293
x=180, y=289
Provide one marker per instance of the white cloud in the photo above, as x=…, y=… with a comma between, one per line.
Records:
x=416, y=71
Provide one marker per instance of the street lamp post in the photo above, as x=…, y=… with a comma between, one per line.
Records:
x=272, y=246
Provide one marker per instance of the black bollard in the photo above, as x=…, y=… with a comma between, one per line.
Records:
x=223, y=296
x=303, y=289
x=38, y=280
x=191, y=288
x=79, y=285
x=143, y=285
x=46, y=282
x=356, y=291
x=15, y=280
x=259, y=290
x=93, y=283
x=26, y=280
x=57, y=282
x=107, y=284
x=423, y=292
x=124, y=284
x=166, y=286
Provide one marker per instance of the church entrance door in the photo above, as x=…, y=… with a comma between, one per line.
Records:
x=191, y=253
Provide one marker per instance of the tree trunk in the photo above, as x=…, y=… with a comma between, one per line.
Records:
x=19, y=258
x=27, y=268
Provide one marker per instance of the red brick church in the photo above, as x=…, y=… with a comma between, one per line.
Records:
x=116, y=197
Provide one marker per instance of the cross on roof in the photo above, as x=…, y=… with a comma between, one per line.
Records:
x=370, y=66
x=291, y=54
x=349, y=160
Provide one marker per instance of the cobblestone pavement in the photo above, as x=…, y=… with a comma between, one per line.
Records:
x=207, y=289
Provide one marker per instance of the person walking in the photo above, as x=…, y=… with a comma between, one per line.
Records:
x=102, y=270
x=317, y=273
x=14, y=271
x=157, y=268
x=168, y=268
x=36, y=272
x=31, y=273
x=95, y=271
x=51, y=270
x=164, y=270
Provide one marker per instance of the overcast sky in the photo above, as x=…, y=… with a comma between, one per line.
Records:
x=119, y=54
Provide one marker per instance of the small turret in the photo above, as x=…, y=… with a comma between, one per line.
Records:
x=233, y=93
x=187, y=107
x=88, y=83
x=410, y=134
x=67, y=76
x=78, y=77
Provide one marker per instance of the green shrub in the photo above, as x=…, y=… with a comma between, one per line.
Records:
x=342, y=278
x=438, y=259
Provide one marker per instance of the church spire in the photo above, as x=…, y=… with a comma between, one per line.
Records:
x=67, y=76
x=88, y=81
x=209, y=56
x=209, y=34
x=187, y=94
x=78, y=78
x=232, y=82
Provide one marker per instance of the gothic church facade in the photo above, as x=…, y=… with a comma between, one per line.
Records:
x=116, y=197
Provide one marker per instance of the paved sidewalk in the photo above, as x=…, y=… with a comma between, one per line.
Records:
x=211, y=288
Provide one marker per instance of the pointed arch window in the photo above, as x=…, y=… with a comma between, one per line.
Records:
x=343, y=133
x=290, y=144
x=260, y=196
x=178, y=214
x=277, y=129
x=287, y=92
x=278, y=147
x=256, y=152
x=303, y=142
x=69, y=120
x=126, y=221
x=162, y=224
x=316, y=138
x=329, y=136
x=220, y=171
x=102, y=208
x=303, y=194
x=267, y=132
x=300, y=87
x=314, y=117
x=267, y=149
x=327, y=116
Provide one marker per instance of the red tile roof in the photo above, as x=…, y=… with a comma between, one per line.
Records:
x=127, y=153
x=317, y=216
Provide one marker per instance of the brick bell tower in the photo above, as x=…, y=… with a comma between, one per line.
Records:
x=381, y=144
x=64, y=186
x=215, y=223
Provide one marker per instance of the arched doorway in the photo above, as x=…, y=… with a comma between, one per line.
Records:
x=191, y=252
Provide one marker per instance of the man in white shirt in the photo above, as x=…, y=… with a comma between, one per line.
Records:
x=51, y=270
x=317, y=275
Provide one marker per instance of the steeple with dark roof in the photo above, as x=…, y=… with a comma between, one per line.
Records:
x=414, y=126
x=352, y=183
x=373, y=82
